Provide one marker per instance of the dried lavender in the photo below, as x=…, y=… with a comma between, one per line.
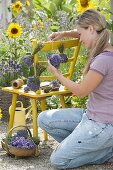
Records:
x=55, y=60
x=38, y=48
x=26, y=89
x=54, y=83
x=22, y=142
x=28, y=60
x=23, y=133
x=64, y=57
x=39, y=69
x=33, y=83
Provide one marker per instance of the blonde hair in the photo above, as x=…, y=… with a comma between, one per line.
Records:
x=97, y=20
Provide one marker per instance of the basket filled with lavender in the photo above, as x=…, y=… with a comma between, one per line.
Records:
x=20, y=143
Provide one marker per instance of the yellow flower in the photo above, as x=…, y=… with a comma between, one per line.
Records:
x=14, y=30
x=83, y=5
x=17, y=6
x=1, y=113
x=28, y=3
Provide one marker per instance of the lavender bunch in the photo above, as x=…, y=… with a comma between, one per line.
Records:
x=39, y=69
x=22, y=142
x=54, y=84
x=26, y=89
x=33, y=83
x=23, y=133
x=55, y=60
x=64, y=57
x=28, y=59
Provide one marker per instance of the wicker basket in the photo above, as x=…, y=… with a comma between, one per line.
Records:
x=21, y=152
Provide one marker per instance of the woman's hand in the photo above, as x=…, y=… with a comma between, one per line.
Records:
x=54, y=70
x=56, y=36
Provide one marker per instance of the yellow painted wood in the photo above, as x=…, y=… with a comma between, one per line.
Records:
x=33, y=95
x=75, y=55
x=43, y=107
x=35, y=116
x=12, y=113
x=62, y=100
x=53, y=45
x=36, y=56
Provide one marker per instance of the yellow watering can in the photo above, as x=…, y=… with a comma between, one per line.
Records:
x=20, y=115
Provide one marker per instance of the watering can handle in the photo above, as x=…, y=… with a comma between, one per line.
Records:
x=20, y=103
x=16, y=103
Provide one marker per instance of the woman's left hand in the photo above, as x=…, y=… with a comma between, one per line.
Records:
x=54, y=70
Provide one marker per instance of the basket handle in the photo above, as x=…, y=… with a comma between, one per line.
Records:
x=18, y=127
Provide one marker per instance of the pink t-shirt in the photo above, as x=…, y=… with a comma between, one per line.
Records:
x=100, y=104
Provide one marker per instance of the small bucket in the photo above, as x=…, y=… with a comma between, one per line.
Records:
x=20, y=115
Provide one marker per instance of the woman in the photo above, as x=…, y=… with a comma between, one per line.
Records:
x=85, y=137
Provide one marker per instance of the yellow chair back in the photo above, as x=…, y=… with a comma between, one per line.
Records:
x=50, y=47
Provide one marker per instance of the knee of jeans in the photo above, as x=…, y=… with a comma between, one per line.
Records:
x=58, y=162
x=42, y=119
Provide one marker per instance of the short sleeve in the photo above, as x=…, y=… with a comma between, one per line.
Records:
x=100, y=64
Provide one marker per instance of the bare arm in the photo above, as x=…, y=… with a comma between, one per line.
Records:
x=58, y=35
x=91, y=81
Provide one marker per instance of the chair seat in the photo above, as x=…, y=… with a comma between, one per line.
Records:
x=31, y=94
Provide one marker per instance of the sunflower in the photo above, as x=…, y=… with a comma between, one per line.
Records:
x=14, y=30
x=1, y=113
x=83, y=5
x=17, y=6
x=28, y=3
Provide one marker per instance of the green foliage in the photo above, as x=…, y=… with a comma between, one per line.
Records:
x=61, y=13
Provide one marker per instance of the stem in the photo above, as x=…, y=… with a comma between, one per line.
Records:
x=35, y=72
x=15, y=49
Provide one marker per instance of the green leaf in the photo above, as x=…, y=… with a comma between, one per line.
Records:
x=53, y=8
x=67, y=9
x=54, y=28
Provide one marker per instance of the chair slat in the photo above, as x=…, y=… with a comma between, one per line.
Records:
x=53, y=45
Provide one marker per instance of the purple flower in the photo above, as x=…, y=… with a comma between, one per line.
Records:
x=33, y=83
x=64, y=57
x=55, y=60
x=28, y=60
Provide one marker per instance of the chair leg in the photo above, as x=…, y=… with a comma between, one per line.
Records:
x=62, y=100
x=12, y=113
x=43, y=107
x=34, y=114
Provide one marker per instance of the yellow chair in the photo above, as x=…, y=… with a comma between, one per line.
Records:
x=50, y=46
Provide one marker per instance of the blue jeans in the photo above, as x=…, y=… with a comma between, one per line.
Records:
x=82, y=140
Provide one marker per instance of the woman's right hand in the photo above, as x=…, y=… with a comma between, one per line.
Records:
x=56, y=36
